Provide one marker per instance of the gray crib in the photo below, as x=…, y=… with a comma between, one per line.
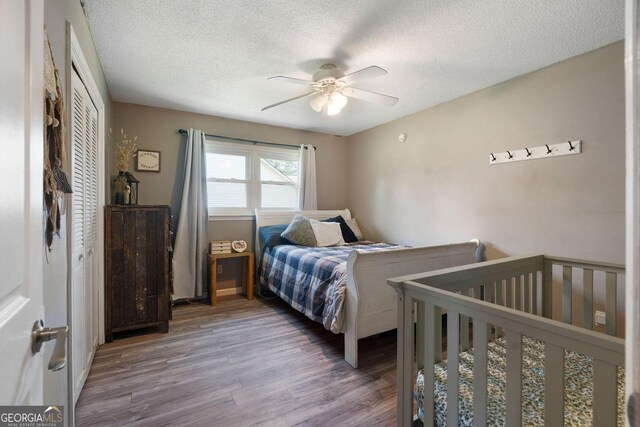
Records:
x=507, y=361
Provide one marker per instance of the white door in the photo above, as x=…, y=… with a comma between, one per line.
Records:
x=632, y=339
x=21, y=207
x=84, y=232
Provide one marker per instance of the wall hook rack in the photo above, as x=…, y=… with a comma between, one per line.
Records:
x=543, y=151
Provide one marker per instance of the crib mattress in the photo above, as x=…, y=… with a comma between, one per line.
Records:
x=578, y=387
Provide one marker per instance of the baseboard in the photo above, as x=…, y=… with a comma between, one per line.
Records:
x=228, y=291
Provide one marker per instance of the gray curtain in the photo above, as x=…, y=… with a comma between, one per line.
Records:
x=190, y=251
x=308, y=198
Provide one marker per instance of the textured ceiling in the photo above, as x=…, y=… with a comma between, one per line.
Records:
x=214, y=57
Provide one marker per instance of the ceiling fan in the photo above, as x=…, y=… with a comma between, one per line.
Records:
x=331, y=89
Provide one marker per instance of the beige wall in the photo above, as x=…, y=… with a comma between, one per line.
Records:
x=57, y=13
x=438, y=186
x=156, y=130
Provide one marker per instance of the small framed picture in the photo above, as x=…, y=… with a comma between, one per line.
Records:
x=239, y=245
x=148, y=161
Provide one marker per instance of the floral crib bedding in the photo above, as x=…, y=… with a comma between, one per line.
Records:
x=578, y=397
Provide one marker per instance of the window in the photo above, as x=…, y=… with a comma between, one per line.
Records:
x=241, y=178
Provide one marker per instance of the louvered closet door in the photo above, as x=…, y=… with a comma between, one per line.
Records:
x=91, y=236
x=84, y=310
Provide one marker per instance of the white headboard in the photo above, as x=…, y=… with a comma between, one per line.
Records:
x=266, y=217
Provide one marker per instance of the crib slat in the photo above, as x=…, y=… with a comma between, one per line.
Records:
x=480, y=339
x=610, y=304
x=453, y=325
x=489, y=291
x=488, y=295
x=514, y=378
x=605, y=392
x=587, y=292
x=509, y=296
x=553, y=385
x=464, y=333
x=567, y=291
x=477, y=292
x=420, y=334
x=500, y=302
x=534, y=292
x=518, y=292
x=547, y=290
x=429, y=360
x=464, y=327
x=437, y=342
x=526, y=291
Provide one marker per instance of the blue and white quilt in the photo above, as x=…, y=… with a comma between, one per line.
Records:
x=313, y=280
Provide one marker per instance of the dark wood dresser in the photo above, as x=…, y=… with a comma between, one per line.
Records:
x=137, y=268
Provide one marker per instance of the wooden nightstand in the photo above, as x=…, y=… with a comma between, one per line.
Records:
x=247, y=273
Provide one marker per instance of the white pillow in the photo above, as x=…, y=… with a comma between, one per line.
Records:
x=353, y=225
x=327, y=233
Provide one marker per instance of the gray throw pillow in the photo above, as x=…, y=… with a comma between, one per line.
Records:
x=299, y=232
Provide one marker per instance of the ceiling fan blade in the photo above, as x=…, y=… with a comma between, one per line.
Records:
x=288, y=100
x=365, y=95
x=364, y=74
x=292, y=80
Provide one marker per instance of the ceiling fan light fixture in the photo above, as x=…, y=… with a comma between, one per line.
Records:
x=332, y=109
x=338, y=99
x=317, y=102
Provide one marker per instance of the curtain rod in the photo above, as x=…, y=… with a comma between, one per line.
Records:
x=249, y=141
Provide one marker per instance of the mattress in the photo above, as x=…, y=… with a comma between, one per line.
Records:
x=578, y=387
x=313, y=280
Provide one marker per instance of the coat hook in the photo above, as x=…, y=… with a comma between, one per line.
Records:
x=528, y=152
x=493, y=158
x=510, y=155
x=548, y=149
x=571, y=147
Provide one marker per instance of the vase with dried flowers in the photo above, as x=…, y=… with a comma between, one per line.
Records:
x=125, y=150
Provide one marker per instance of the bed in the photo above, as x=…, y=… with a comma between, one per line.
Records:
x=367, y=306
x=515, y=350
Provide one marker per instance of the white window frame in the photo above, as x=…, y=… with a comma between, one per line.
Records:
x=238, y=150
x=254, y=155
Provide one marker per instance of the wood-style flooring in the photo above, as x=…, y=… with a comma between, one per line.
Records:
x=240, y=363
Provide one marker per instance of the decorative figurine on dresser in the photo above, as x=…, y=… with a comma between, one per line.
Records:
x=137, y=268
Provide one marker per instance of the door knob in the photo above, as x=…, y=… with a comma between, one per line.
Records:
x=40, y=335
